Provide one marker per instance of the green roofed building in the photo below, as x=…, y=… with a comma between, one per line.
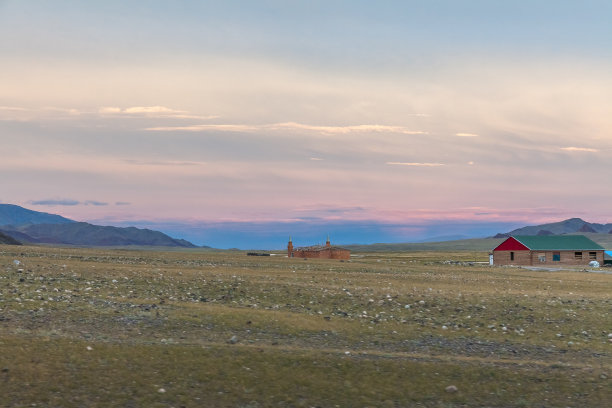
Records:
x=548, y=250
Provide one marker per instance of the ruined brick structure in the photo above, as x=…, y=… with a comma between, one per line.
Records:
x=317, y=251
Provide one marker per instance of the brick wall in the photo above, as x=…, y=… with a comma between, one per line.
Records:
x=503, y=258
x=566, y=258
x=533, y=258
x=326, y=253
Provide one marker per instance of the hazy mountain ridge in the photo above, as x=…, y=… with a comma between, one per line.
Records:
x=15, y=215
x=600, y=233
x=569, y=226
x=29, y=226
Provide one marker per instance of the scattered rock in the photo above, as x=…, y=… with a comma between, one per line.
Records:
x=451, y=389
x=161, y=390
x=233, y=340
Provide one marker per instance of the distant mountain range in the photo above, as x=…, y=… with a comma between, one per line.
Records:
x=21, y=225
x=27, y=226
x=569, y=226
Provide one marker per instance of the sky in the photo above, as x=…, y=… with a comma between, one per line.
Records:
x=239, y=123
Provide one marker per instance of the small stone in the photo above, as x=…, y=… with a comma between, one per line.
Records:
x=89, y=348
x=161, y=390
x=451, y=389
x=233, y=340
x=444, y=328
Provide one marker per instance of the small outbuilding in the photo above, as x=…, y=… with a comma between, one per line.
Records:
x=549, y=250
x=317, y=251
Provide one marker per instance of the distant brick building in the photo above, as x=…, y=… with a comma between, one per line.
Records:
x=549, y=250
x=317, y=251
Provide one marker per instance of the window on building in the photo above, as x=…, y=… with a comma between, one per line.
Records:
x=556, y=256
x=593, y=255
x=512, y=256
x=542, y=257
x=577, y=255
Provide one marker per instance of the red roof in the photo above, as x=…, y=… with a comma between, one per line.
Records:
x=511, y=244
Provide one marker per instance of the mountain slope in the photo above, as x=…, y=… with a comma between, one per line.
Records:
x=35, y=227
x=11, y=214
x=82, y=233
x=569, y=226
x=8, y=240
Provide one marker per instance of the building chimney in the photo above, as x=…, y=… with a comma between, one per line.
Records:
x=290, y=249
x=327, y=243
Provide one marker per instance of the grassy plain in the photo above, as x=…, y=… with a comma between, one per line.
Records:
x=91, y=327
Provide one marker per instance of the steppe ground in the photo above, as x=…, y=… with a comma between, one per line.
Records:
x=100, y=328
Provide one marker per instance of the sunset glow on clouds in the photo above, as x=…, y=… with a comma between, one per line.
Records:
x=397, y=112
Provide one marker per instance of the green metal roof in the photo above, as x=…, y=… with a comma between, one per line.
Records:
x=558, y=242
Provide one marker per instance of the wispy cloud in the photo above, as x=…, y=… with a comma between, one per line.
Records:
x=293, y=126
x=327, y=212
x=96, y=203
x=162, y=162
x=14, y=113
x=13, y=109
x=122, y=203
x=203, y=128
x=68, y=202
x=579, y=149
x=53, y=202
x=466, y=134
x=68, y=111
x=109, y=110
x=347, y=129
x=151, y=111
x=415, y=164
x=139, y=110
